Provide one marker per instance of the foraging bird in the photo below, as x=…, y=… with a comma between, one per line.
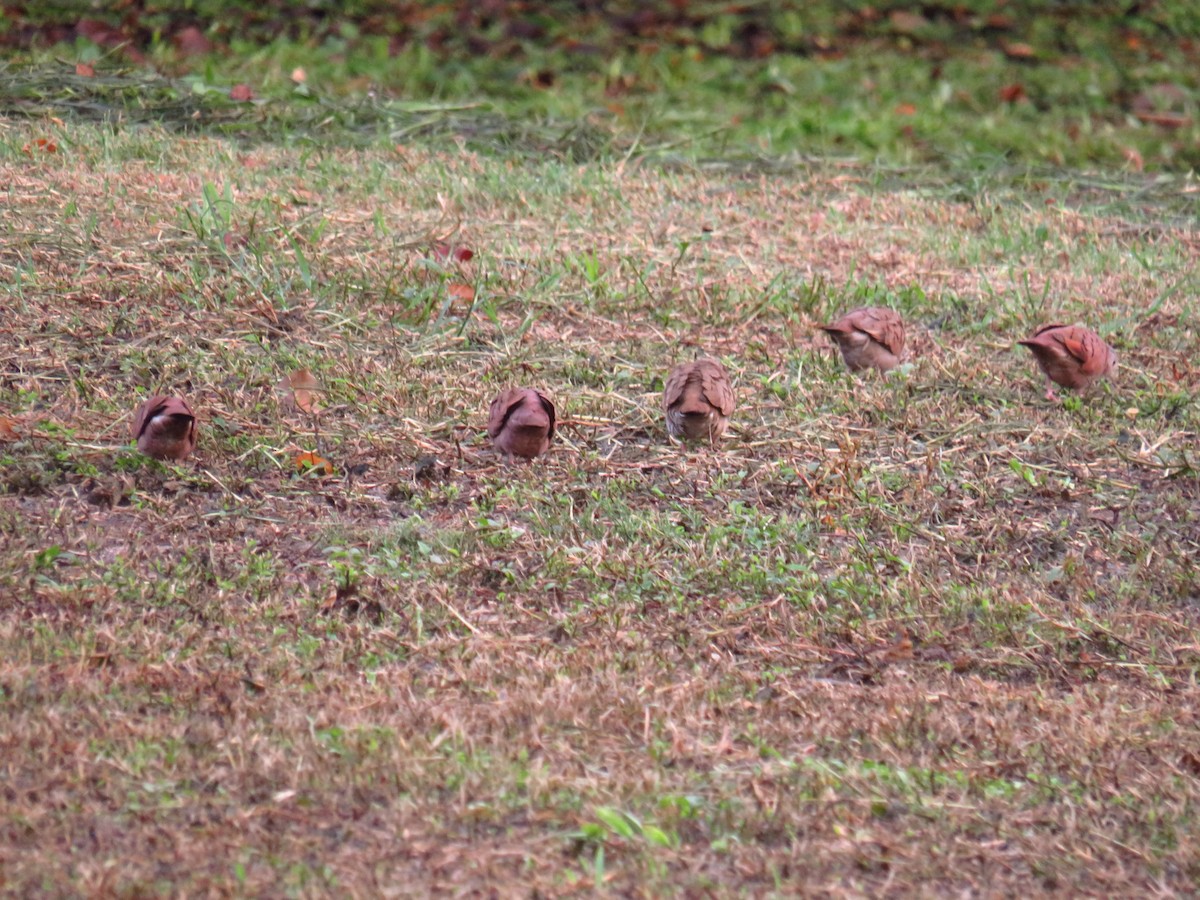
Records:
x=698, y=400
x=869, y=337
x=1071, y=356
x=521, y=422
x=165, y=428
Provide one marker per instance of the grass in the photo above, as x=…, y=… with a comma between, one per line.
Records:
x=1100, y=85
x=926, y=633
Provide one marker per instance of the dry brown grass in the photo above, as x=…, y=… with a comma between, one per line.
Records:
x=918, y=635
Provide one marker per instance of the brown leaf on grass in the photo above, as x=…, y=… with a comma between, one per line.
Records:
x=43, y=145
x=459, y=291
x=1018, y=50
x=1190, y=761
x=905, y=22
x=84, y=70
x=1011, y=93
x=301, y=390
x=900, y=651
x=311, y=462
x=444, y=251
x=8, y=429
x=241, y=93
x=619, y=85
x=541, y=79
x=1134, y=158
x=906, y=109
x=232, y=241
x=1162, y=104
x=190, y=41
x=1164, y=119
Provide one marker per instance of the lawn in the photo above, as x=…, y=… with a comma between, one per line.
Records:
x=927, y=633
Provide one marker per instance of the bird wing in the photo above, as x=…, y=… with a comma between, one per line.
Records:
x=715, y=384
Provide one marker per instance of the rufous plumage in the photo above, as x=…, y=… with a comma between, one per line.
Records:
x=1071, y=356
x=698, y=400
x=521, y=422
x=165, y=428
x=871, y=337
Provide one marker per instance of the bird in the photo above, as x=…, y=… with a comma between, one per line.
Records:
x=1071, y=356
x=521, y=422
x=165, y=428
x=869, y=337
x=698, y=400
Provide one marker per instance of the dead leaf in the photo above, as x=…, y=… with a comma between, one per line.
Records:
x=1165, y=120
x=1134, y=158
x=190, y=41
x=906, y=109
x=905, y=22
x=83, y=70
x=900, y=651
x=459, y=291
x=1011, y=93
x=301, y=391
x=241, y=93
x=1018, y=50
x=232, y=241
x=443, y=251
x=44, y=145
x=1190, y=761
x=8, y=429
x=310, y=462
x=539, y=78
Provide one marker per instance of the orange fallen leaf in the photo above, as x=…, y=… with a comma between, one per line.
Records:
x=8, y=429
x=460, y=291
x=906, y=109
x=310, y=462
x=44, y=144
x=1134, y=158
x=241, y=93
x=84, y=70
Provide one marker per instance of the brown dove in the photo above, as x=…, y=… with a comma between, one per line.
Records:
x=521, y=422
x=165, y=428
x=869, y=337
x=698, y=400
x=1071, y=355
